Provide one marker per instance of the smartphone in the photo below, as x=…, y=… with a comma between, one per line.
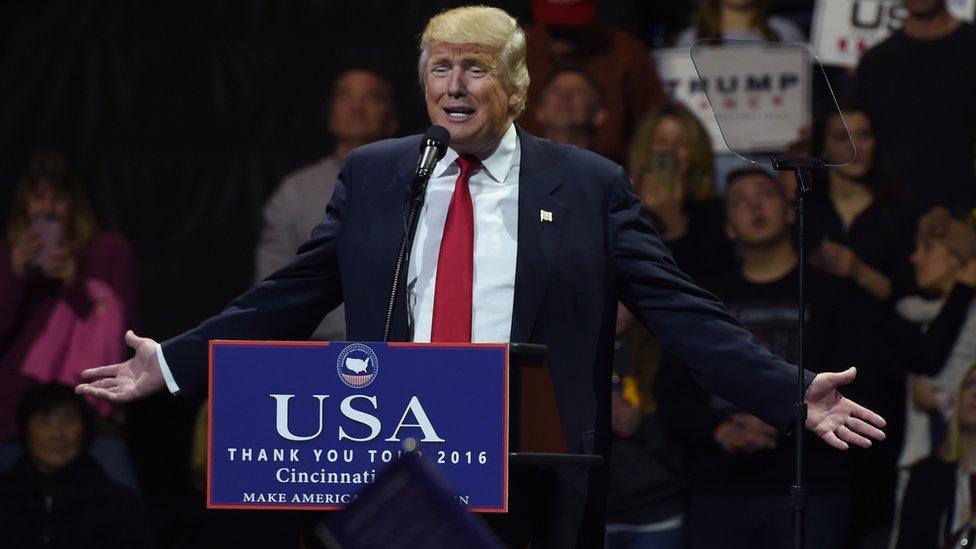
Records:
x=663, y=168
x=48, y=230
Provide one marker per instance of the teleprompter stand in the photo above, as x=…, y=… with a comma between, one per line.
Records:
x=802, y=169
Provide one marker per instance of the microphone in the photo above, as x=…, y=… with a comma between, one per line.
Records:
x=433, y=146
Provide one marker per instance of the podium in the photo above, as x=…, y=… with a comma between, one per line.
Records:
x=536, y=427
x=303, y=425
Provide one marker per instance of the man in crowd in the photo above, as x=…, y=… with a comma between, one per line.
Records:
x=566, y=34
x=740, y=465
x=646, y=486
x=918, y=88
x=520, y=240
x=56, y=494
x=570, y=110
x=362, y=111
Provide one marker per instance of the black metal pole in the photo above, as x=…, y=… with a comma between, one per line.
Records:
x=798, y=492
x=403, y=257
x=802, y=168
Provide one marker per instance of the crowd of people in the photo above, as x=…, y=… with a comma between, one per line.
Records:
x=890, y=287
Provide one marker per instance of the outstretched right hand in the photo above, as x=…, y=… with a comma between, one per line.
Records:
x=133, y=379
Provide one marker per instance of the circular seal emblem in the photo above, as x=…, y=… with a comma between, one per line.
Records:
x=357, y=365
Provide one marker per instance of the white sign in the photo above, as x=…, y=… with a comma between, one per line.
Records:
x=760, y=93
x=844, y=29
x=680, y=81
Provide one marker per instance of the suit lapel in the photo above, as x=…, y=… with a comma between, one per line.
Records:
x=397, y=189
x=541, y=220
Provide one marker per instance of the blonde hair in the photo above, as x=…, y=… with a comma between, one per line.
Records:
x=952, y=447
x=700, y=178
x=485, y=26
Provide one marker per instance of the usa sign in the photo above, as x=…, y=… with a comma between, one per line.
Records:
x=844, y=29
x=306, y=425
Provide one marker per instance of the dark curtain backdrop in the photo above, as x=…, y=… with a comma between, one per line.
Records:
x=183, y=116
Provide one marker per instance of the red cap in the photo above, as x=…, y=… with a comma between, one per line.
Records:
x=564, y=13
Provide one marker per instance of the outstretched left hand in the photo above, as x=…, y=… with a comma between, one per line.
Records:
x=836, y=419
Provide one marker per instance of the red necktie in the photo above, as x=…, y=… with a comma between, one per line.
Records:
x=455, y=263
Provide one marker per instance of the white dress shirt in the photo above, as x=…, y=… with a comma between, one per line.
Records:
x=494, y=195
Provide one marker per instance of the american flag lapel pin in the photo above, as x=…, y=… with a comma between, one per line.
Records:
x=545, y=216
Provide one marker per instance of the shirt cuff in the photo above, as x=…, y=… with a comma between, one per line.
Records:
x=167, y=374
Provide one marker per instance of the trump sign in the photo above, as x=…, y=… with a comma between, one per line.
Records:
x=760, y=95
x=306, y=425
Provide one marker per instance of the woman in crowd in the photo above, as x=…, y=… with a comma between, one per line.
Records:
x=859, y=231
x=57, y=495
x=945, y=270
x=739, y=20
x=671, y=167
x=66, y=290
x=940, y=500
x=860, y=223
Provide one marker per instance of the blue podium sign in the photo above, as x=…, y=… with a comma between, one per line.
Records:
x=306, y=425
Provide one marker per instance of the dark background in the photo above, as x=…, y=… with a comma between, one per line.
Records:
x=183, y=116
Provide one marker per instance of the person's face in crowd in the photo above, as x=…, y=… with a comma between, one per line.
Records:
x=837, y=144
x=465, y=93
x=669, y=138
x=569, y=102
x=757, y=213
x=55, y=438
x=925, y=8
x=967, y=404
x=47, y=201
x=935, y=265
x=361, y=109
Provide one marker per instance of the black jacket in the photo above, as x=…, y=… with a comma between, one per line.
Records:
x=79, y=507
x=570, y=273
x=929, y=505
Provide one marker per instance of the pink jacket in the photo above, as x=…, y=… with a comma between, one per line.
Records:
x=51, y=333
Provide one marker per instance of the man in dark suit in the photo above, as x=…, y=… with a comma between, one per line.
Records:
x=520, y=240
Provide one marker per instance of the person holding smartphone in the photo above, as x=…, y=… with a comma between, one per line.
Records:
x=40, y=247
x=671, y=168
x=65, y=287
